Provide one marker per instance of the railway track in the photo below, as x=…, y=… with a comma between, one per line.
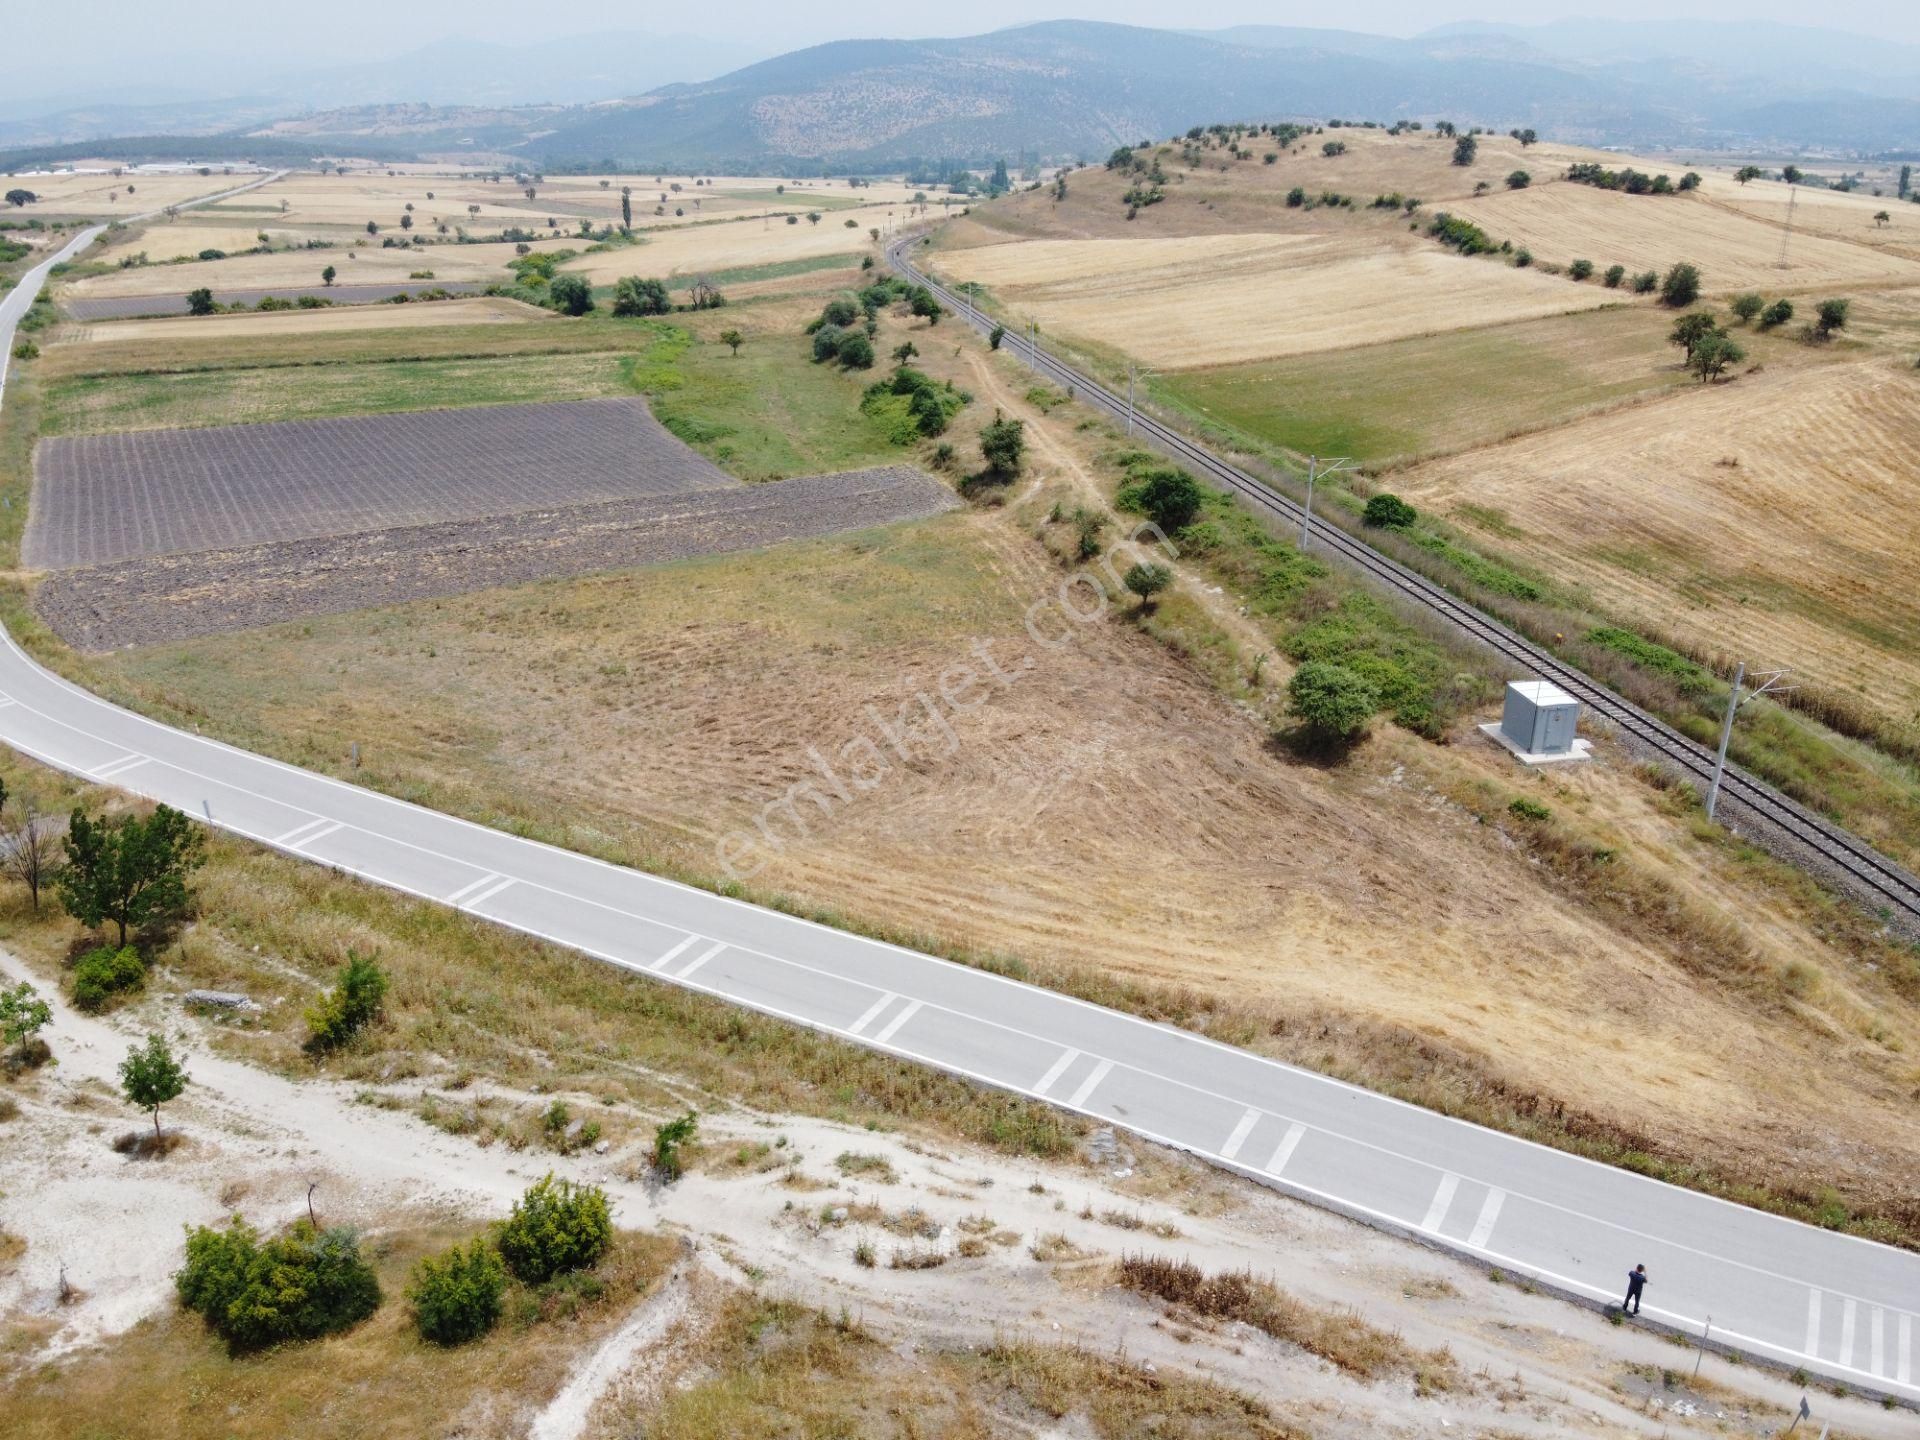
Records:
x=1873, y=878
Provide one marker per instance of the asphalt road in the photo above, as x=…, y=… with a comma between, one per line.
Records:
x=1841, y=1306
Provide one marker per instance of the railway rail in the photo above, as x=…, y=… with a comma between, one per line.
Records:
x=1870, y=876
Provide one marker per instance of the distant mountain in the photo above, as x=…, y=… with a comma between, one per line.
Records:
x=1069, y=89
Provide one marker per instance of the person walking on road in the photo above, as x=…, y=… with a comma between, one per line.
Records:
x=1636, y=1282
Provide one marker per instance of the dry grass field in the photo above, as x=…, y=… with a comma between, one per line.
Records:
x=733, y=245
x=1836, y=214
x=354, y=263
x=184, y=238
x=98, y=194
x=1209, y=300
x=336, y=320
x=1564, y=221
x=1769, y=520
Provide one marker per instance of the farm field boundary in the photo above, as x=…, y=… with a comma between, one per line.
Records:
x=104, y=498
x=141, y=307
x=180, y=597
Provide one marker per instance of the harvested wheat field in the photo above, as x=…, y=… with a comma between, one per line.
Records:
x=481, y=310
x=103, y=195
x=353, y=264
x=1770, y=519
x=183, y=239
x=1056, y=823
x=1564, y=221
x=329, y=320
x=1211, y=300
x=732, y=245
x=1837, y=214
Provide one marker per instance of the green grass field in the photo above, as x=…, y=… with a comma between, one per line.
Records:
x=1435, y=393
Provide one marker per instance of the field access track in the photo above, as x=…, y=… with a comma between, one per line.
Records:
x=104, y=498
x=139, y=307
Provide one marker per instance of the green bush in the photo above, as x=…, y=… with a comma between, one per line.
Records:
x=347, y=1009
x=456, y=1296
x=995, y=336
x=667, y=1140
x=1389, y=512
x=1003, y=444
x=1681, y=287
x=1334, y=702
x=1165, y=494
x=1580, y=270
x=826, y=343
x=297, y=1286
x=570, y=294
x=842, y=311
x=555, y=1227
x=1646, y=282
x=1615, y=274
x=855, y=351
x=103, y=973
x=1524, y=809
x=633, y=295
x=1776, y=314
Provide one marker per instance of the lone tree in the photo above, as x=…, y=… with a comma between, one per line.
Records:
x=733, y=340
x=1681, y=287
x=26, y=843
x=200, y=302
x=1333, y=702
x=1519, y=180
x=626, y=206
x=1880, y=217
x=1747, y=307
x=1389, y=512
x=1713, y=353
x=1003, y=443
x=150, y=1077
x=1689, y=330
x=1465, y=150
x=1166, y=495
x=22, y=1013
x=326, y=275
x=1748, y=172
x=130, y=871
x=1147, y=580
x=1831, y=317
x=18, y=197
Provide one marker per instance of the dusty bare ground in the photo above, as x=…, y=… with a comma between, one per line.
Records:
x=775, y=1205
x=179, y=597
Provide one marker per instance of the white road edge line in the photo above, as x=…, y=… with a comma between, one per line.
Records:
x=887, y=1032
x=1442, y=1199
x=702, y=958
x=1059, y=1068
x=322, y=833
x=464, y=891
x=1079, y=1097
x=873, y=1012
x=312, y=824
x=499, y=884
x=1239, y=1135
x=661, y=963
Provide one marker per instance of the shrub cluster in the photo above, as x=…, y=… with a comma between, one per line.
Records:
x=347, y=1009
x=297, y=1286
x=104, y=973
x=1463, y=235
x=929, y=406
x=1633, y=182
x=556, y=1227
x=456, y=1296
x=1165, y=494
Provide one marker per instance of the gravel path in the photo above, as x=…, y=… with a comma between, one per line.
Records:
x=180, y=597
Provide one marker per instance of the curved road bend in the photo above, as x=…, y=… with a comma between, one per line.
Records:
x=1804, y=1296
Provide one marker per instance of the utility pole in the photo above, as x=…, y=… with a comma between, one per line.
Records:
x=1769, y=685
x=1129, y=399
x=1314, y=472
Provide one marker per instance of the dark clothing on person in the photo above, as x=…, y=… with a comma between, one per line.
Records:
x=1636, y=1282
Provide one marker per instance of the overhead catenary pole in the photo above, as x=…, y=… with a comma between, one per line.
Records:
x=1769, y=685
x=1315, y=471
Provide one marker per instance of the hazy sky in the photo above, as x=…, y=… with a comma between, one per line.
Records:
x=288, y=34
